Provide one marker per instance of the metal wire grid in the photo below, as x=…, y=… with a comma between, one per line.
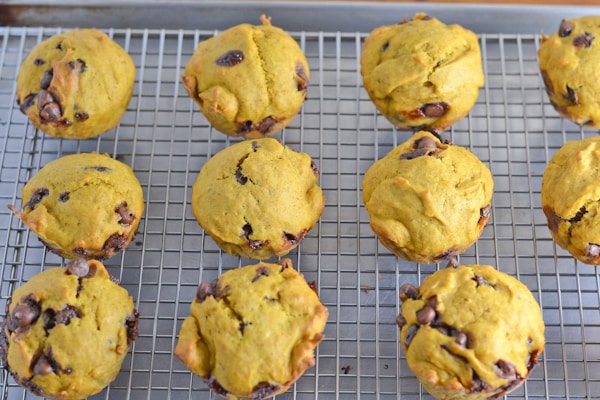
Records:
x=166, y=140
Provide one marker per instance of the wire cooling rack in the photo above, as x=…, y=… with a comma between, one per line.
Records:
x=166, y=140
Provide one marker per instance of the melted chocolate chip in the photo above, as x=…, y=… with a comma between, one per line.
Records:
x=59, y=46
x=426, y=315
x=400, y=321
x=39, y=61
x=206, y=289
x=285, y=264
x=24, y=314
x=565, y=28
x=255, y=146
x=579, y=215
x=243, y=326
x=36, y=197
x=263, y=390
x=266, y=125
x=314, y=168
x=424, y=146
x=301, y=77
x=484, y=214
x=446, y=255
x=256, y=244
x=408, y=291
x=48, y=107
x=132, y=327
x=64, y=316
x=115, y=242
x=240, y=177
x=27, y=102
x=385, y=46
x=481, y=281
x=231, y=58
x=572, y=96
x=63, y=197
x=434, y=110
x=593, y=250
x=78, y=267
x=410, y=334
x=81, y=116
x=294, y=239
x=126, y=216
x=478, y=385
x=261, y=271
x=216, y=387
x=42, y=366
x=507, y=369
x=47, y=79
x=99, y=168
x=82, y=65
x=584, y=40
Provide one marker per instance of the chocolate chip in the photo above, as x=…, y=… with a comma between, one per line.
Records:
x=484, y=213
x=64, y=316
x=385, y=46
x=261, y=271
x=216, y=387
x=400, y=321
x=294, y=239
x=301, y=77
x=593, y=250
x=584, y=40
x=579, y=215
x=240, y=177
x=533, y=360
x=27, y=102
x=81, y=116
x=42, y=366
x=127, y=217
x=59, y=46
x=80, y=251
x=47, y=79
x=39, y=61
x=434, y=110
x=410, y=334
x=263, y=390
x=247, y=229
x=285, y=264
x=266, y=125
x=231, y=58
x=426, y=315
x=424, y=146
x=78, y=267
x=408, y=291
x=314, y=168
x=461, y=339
x=426, y=18
x=243, y=326
x=132, y=326
x=48, y=107
x=36, y=197
x=82, y=65
x=245, y=127
x=24, y=314
x=565, y=28
x=204, y=290
x=256, y=244
x=255, y=146
x=99, y=168
x=446, y=255
x=115, y=241
x=481, y=281
x=49, y=319
x=572, y=96
x=506, y=368
x=63, y=197
x=477, y=384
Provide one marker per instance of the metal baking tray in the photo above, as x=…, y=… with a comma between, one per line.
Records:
x=164, y=137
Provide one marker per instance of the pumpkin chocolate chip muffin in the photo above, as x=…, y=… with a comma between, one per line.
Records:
x=470, y=332
x=67, y=331
x=428, y=201
x=422, y=73
x=76, y=84
x=83, y=205
x=568, y=61
x=570, y=192
x=249, y=80
x=258, y=198
x=252, y=331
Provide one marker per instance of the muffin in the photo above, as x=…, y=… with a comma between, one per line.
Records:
x=83, y=205
x=76, y=84
x=252, y=331
x=67, y=331
x=570, y=189
x=249, y=80
x=428, y=201
x=470, y=332
x=422, y=74
x=568, y=61
x=258, y=198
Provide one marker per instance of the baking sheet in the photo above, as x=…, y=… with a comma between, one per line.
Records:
x=166, y=140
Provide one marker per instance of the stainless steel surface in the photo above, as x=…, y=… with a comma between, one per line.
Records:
x=166, y=140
